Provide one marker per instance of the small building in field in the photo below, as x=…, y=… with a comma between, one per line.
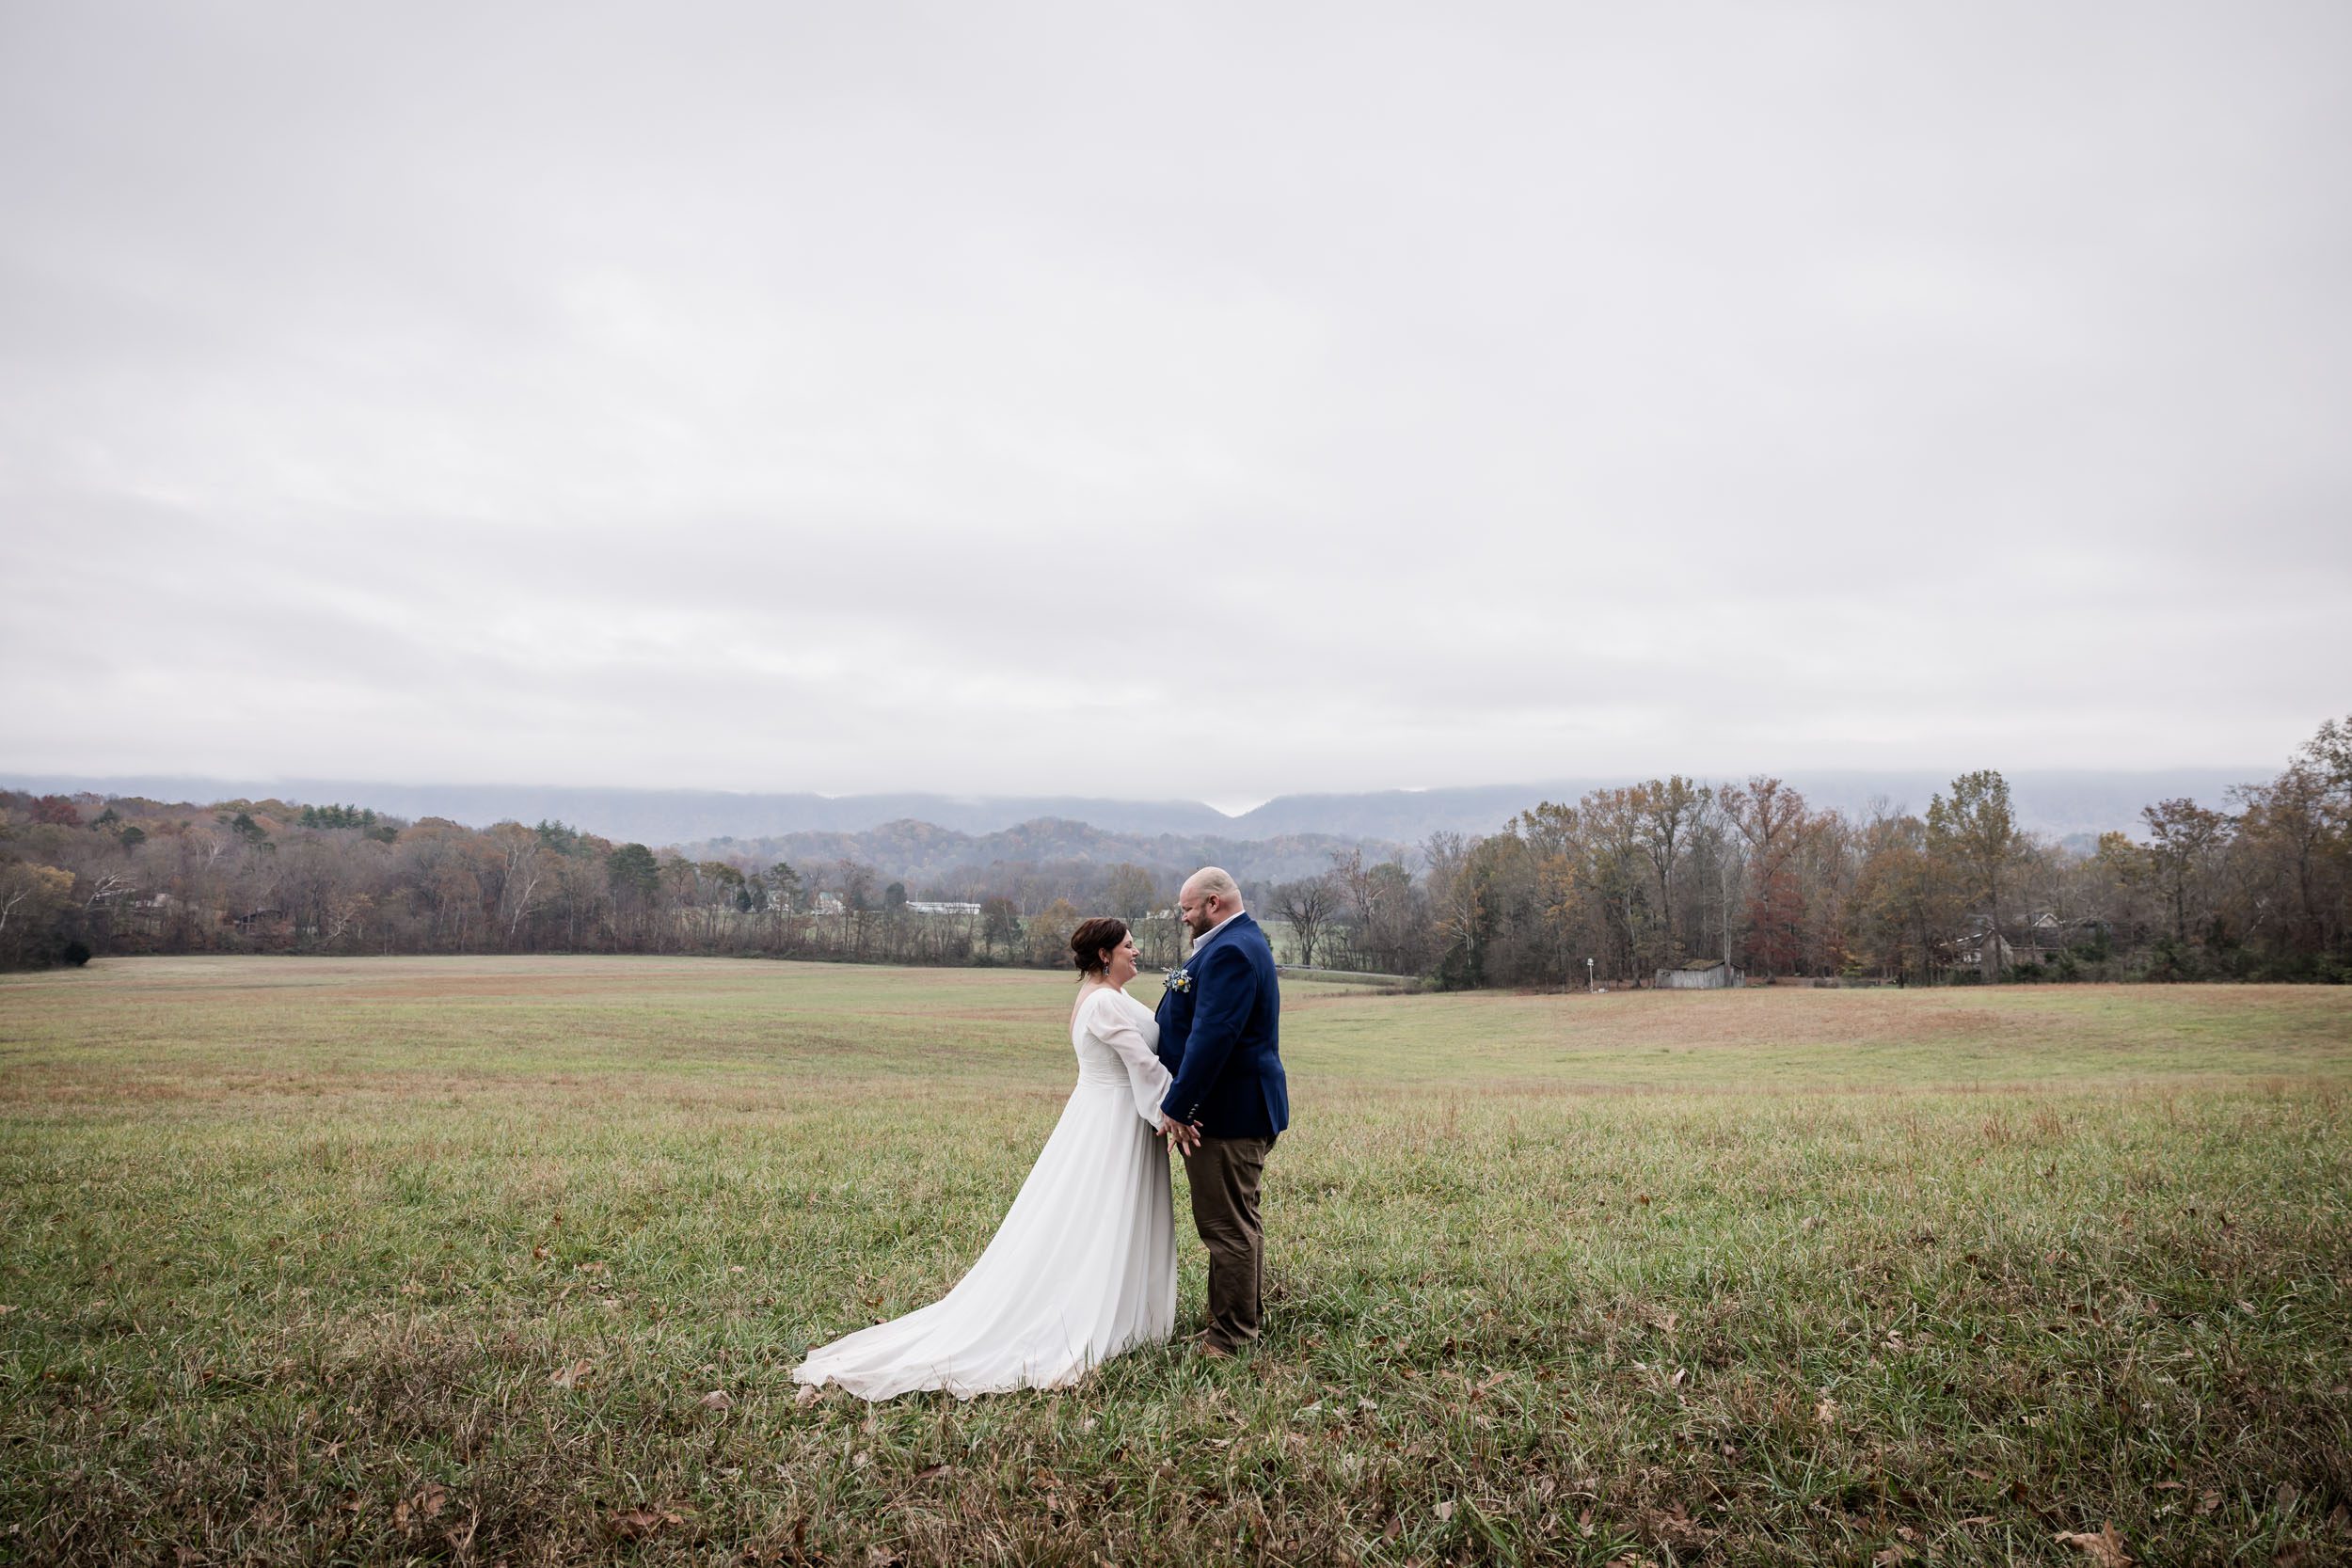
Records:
x=1701, y=975
x=1987, y=952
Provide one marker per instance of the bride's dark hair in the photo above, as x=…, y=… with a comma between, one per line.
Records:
x=1095, y=938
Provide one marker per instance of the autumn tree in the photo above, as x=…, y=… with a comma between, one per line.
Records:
x=1554, y=835
x=1770, y=818
x=2183, y=840
x=1902, y=899
x=1460, y=916
x=36, y=904
x=1049, y=934
x=1975, y=833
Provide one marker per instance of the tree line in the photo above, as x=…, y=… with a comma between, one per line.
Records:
x=1611, y=889
x=1625, y=883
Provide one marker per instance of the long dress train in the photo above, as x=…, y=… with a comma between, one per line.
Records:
x=1084, y=1265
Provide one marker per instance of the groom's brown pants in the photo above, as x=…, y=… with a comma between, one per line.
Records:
x=1224, y=1176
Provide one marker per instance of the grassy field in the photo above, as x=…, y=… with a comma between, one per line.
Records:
x=509, y=1261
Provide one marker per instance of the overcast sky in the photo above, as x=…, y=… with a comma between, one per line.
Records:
x=1170, y=401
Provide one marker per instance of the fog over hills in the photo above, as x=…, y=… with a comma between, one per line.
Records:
x=2063, y=803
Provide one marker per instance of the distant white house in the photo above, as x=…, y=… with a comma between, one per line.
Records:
x=826, y=903
x=925, y=906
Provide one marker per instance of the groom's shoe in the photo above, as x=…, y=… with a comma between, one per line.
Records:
x=1208, y=1344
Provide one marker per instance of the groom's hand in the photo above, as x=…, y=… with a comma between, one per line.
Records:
x=1183, y=1136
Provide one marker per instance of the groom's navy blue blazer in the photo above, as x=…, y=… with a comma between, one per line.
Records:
x=1220, y=1037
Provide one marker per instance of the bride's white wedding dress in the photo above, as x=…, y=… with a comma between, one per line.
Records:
x=1084, y=1265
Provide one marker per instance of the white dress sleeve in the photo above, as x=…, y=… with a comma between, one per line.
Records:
x=1112, y=1024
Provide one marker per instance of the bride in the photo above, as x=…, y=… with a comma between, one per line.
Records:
x=1084, y=1265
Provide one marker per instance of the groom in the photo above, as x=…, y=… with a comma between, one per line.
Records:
x=1220, y=1020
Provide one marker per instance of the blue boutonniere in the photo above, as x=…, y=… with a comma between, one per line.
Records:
x=1178, y=979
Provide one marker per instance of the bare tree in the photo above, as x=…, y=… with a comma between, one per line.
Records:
x=1307, y=905
x=1665, y=812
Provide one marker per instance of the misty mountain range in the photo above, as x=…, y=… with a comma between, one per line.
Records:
x=2063, y=803
x=927, y=856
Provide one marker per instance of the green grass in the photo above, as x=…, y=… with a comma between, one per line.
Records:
x=297, y=1249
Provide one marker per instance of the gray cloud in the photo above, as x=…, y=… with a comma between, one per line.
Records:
x=1058, y=398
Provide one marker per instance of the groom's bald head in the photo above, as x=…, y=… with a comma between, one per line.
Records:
x=1211, y=898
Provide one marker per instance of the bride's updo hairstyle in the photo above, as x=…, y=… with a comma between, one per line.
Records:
x=1093, y=938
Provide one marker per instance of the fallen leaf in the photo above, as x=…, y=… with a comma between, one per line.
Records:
x=638, y=1523
x=567, y=1377
x=808, y=1395
x=1445, y=1512
x=426, y=1504
x=538, y=1252
x=717, y=1399
x=2208, y=1501
x=2105, y=1548
x=1826, y=1411
x=1366, y=1404
x=932, y=1472
x=1887, y=1556
x=1681, y=1374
